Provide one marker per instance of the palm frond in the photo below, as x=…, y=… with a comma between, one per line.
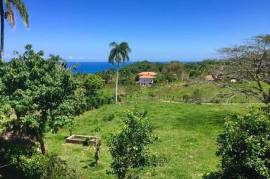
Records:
x=9, y=14
x=113, y=44
x=112, y=56
x=125, y=46
x=119, y=52
x=20, y=6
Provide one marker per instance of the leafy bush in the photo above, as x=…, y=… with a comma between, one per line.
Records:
x=129, y=148
x=22, y=160
x=44, y=167
x=244, y=146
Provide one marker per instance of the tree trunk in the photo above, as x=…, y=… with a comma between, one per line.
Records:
x=116, y=86
x=2, y=13
x=41, y=143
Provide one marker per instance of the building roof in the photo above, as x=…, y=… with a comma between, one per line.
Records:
x=147, y=73
x=147, y=77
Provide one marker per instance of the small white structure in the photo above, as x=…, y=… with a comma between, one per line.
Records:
x=146, y=78
x=233, y=80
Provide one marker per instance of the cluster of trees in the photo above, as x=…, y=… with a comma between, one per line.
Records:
x=167, y=72
x=38, y=95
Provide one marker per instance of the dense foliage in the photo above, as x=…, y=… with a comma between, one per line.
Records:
x=167, y=72
x=244, y=146
x=129, y=147
x=37, y=93
x=21, y=159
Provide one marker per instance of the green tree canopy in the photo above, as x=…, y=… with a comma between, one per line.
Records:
x=244, y=146
x=41, y=93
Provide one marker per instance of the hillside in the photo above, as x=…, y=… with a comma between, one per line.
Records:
x=186, y=137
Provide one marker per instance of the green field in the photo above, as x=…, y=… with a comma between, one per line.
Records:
x=186, y=137
x=210, y=92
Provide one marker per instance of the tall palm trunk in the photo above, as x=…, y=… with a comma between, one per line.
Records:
x=2, y=13
x=116, y=85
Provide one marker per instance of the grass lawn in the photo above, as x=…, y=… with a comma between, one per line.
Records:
x=187, y=138
x=210, y=92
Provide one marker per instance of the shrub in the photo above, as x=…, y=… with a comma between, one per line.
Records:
x=29, y=164
x=44, y=167
x=244, y=146
x=129, y=148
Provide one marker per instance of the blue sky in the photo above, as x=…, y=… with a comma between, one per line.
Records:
x=156, y=30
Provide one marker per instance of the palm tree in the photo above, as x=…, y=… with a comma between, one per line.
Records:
x=118, y=54
x=7, y=12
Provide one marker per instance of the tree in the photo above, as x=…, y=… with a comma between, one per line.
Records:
x=119, y=53
x=7, y=12
x=250, y=63
x=41, y=93
x=244, y=146
x=176, y=68
x=129, y=147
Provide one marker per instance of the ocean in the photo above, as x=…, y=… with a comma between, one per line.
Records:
x=93, y=67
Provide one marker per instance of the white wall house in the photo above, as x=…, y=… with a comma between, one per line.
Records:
x=146, y=80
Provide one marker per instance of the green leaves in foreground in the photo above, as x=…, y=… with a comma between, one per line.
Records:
x=129, y=148
x=244, y=146
x=42, y=93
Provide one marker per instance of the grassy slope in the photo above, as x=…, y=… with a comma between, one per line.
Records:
x=187, y=137
x=209, y=91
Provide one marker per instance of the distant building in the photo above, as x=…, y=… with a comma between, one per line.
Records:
x=146, y=78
